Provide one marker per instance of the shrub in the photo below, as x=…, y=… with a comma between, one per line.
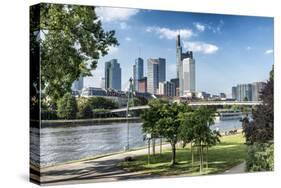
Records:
x=260, y=157
x=85, y=110
x=67, y=107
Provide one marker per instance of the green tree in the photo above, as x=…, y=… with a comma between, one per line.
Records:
x=150, y=117
x=67, y=107
x=84, y=108
x=188, y=123
x=259, y=133
x=168, y=126
x=261, y=129
x=71, y=42
x=203, y=135
x=102, y=103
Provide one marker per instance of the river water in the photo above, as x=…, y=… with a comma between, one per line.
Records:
x=63, y=144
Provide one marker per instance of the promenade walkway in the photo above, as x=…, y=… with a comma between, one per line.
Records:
x=102, y=169
x=237, y=169
x=95, y=170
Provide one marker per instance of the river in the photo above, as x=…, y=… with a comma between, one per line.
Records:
x=63, y=144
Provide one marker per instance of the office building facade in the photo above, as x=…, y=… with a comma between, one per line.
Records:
x=156, y=72
x=137, y=72
x=188, y=77
x=166, y=88
x=112, y=75
x=257, y=88
x=248, y=92
x=176, y=82
x=142, y=85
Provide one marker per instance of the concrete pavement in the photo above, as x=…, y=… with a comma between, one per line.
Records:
x=96, y=170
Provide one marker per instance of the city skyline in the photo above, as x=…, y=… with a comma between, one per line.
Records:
x=225, y=47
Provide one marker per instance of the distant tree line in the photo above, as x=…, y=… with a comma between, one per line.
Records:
x=69, y=107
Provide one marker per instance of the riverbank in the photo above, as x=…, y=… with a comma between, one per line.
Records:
x=227, y=154
x=95, y=121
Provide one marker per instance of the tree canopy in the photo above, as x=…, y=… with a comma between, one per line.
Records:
x=262, y=127
x=71, y=42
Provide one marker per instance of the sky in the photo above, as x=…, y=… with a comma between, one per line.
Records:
x=228, y=50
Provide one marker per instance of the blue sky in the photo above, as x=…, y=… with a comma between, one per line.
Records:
x=228, y=50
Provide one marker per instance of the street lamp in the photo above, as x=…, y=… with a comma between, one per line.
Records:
x=148, y=136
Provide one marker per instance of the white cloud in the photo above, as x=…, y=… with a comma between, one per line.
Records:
x=202, y=47
x=248, y=48
x=107, y=14
x=215, y=28
x=269, y=51
x=170, y=33
x=128, y=39
x=113, y=50
x=199, y=26
x=123, y=25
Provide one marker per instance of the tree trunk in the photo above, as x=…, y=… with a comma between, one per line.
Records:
x=201, y=159
x=173, y=154
x=192, y=155
x=161, y=145
x=207, y=157
x=153, y=146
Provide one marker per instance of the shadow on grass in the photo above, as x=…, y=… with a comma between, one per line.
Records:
x=230, y=152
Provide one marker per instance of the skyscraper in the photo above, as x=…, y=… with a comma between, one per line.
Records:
x=185, y=73
x=137, y=72
x=112, y=75
x=156, y=72
x=188, y=77
x=234, y=92
x=178, y=55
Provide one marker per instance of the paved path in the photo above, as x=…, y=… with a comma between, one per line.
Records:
x=102, y=169
x=96, y=170
x=237, y=169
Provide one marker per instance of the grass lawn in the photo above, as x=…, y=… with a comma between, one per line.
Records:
x=230, y=152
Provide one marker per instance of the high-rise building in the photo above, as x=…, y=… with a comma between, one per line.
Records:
x=112, y=75
x=156, y=72
x=257, y=87
x=188, y=77
x=78, y=84
x=137, y=72
x=142, y=85
x=178, y=54
x=234, y=92
x=248, y=92
x=186, y=83
x=176, y=82
x=166, y=88
x=244, y=92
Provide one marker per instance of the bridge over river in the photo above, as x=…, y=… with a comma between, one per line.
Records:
x=195, y=103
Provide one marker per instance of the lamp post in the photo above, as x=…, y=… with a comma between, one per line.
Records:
x=148, y=136
x=130, y=102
